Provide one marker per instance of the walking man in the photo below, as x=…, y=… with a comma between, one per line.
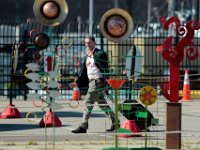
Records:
x=93, y=75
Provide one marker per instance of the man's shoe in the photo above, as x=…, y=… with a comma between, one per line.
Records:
x=112, y=128
x=79, y=130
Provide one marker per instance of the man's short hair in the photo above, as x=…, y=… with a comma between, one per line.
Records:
x=91, y=38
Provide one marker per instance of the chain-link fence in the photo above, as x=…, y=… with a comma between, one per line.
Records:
x=67, y=43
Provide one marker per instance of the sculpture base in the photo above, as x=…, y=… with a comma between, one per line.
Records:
x=50, y=119
x=10, y=112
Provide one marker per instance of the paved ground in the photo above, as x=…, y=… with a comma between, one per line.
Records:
x=24, y=134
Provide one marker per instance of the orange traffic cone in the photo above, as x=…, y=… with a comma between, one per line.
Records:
x=186, y=88
x=132, y=127
x=76, y=95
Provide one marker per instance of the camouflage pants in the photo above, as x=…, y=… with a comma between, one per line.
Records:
x=96, y=94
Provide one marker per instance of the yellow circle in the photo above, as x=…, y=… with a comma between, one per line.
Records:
x=26, y=72
x=73, y=104
x=31, y=120
x=64, y=41
x=148, y=95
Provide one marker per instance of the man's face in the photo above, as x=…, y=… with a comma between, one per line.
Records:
x=89, y=44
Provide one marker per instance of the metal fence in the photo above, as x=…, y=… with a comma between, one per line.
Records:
x=68, y=41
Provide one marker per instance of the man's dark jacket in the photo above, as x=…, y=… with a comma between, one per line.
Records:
x=101, y=61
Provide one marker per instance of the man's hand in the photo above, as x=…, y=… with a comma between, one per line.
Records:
x=73, y=84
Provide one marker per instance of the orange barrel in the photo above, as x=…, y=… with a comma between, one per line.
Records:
x=76, y=95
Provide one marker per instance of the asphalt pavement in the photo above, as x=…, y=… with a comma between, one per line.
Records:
x=24, y=130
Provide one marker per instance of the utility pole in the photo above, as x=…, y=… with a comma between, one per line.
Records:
x=197, y=10
x=171, y=8
x=91, y=17
x=193, y=10
x=149, y=14
x=171, y=12
x=116, y=3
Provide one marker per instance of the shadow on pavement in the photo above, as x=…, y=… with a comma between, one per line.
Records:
x=10, y=127
x=13, y=127
x=64, y=114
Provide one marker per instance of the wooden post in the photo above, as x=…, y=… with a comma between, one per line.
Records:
x=173, y=140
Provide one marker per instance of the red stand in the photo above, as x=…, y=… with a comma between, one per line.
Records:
x=133, y=127
x=50, y=119
x=116, y=83
x=10, y=112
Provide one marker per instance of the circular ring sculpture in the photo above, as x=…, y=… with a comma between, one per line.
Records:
x=34, y=115
x=66, y=42
x=73, y=104
x=50, y=12
x=41, y=41
x=22, y=47
x=26, y=72
x=38, y=105
x=37, y=57
x=116, y=25
x=148, y=95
